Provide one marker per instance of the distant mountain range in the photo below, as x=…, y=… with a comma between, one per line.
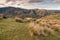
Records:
x=20, y=12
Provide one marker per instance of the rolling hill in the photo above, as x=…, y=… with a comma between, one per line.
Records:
x=12, y=12
x=12, y=30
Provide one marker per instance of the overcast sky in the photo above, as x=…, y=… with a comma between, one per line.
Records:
x=47, y=4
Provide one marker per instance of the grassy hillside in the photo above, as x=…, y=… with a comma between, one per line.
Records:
x=12, y=30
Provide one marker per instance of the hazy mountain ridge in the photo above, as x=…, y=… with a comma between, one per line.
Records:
x=20, y=12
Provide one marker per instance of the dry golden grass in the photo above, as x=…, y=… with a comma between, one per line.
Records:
x=45, y=25
x=28, y=19
x=1, y=16
x=18, y=19
x=35, y=29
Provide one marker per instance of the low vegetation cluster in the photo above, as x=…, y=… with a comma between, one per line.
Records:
x=45, y=26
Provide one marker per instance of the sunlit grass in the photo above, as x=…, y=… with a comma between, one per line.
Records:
x=46, y=26
x=12, y=30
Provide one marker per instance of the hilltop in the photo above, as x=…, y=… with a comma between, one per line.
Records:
x=22, y=13
x=12, y=30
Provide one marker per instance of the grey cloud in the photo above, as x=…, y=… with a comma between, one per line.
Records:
x=30, y=1
x=57, y=0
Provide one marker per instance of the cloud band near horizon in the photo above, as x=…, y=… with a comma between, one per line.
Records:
x=31, y=3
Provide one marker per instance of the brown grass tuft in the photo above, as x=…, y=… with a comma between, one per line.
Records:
x=28, y=19
x=17, y=19
x=1, y=16
x=45, y=26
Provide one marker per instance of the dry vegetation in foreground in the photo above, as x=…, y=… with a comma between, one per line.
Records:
x=17, y=19
x=45, y=26
x=28, y=19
